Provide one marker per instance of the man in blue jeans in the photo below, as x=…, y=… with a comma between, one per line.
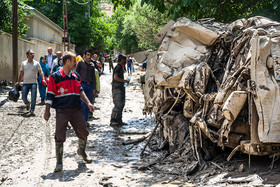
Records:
x=86, y=70
x=28, y=72
x=129, y=65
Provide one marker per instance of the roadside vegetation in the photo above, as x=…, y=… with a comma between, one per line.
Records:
x=6, y=17
x=135, y=22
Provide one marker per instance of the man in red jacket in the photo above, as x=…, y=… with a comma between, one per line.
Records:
x=64, y=94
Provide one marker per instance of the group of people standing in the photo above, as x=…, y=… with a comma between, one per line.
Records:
x=71, y=88
x=49, y=63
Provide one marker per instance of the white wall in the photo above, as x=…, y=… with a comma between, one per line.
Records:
x=42, y=33
x=6, y=61
x=42, y=28
x=38, y=29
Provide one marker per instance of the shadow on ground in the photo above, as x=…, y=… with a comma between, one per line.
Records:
x=67, y=175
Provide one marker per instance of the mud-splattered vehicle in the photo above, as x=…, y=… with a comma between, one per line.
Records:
x=217, y=82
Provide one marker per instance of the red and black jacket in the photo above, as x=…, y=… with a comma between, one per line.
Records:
x=64, y=91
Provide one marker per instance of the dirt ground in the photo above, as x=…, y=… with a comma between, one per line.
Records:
x=27, y=150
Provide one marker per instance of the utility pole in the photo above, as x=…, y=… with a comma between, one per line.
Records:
x=66, y=41
x=15, y=41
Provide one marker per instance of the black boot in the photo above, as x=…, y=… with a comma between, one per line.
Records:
x=120, y=122
x=114, y=122
x=81, y=151
x=59, y=154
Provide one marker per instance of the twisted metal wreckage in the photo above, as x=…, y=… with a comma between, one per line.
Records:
x=217, y=82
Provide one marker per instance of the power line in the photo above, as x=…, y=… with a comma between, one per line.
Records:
x=81, y=3
x=87, y=14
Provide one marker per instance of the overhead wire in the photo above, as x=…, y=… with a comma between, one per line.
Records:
x=81, y=3
x=86, y=3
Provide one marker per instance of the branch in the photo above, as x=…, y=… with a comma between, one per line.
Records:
x=138, y=140
x=153, y=131
x=132, y=132
x=170, y=2
x=246, y=7
x=217, y=5
x=149, y=18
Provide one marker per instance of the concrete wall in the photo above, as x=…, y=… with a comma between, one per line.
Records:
x=42, y=27
x=140, y=56
x=42, y=33
x=6, y=61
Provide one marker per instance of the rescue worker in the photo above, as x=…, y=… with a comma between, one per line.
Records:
x=118, y=92
x=64, y=94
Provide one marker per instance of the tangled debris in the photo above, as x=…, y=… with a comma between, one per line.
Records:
x=212, y=84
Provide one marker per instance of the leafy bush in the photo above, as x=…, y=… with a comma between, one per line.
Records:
x=6, y=17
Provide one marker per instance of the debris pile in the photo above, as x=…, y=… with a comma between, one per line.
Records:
x=213, y=84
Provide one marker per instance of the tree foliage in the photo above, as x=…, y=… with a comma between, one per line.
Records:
x=145, y=22
x=134, y=22
x=102, y=30
x=6, y=17
x=221, y=10
x=122, y=40
x=135, y=28
x=85, y=32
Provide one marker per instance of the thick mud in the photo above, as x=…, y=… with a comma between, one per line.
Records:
x=27, y=154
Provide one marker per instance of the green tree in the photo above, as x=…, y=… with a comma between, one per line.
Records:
x=102, y=30
x=270, y=9
x=145, y=22
x=122, y=40
x=6, y=16
x=221, y=10
x=85, y=32
x=135, y=28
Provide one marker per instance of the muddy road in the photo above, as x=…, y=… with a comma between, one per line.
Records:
x=27, y=149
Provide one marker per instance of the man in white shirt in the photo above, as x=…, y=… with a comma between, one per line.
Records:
x=50, y=58
x=28, y=72
x=55, y=61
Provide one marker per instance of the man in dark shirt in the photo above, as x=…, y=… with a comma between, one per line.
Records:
x=111, y=66
x=118, y=92
x=64, y=94
x=86, y=70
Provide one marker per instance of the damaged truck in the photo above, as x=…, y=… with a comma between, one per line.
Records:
x=217, y=83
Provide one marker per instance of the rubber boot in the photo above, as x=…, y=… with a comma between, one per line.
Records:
x=59, y=154
x=81, y=151
x=114, y=122
x=120, y=122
